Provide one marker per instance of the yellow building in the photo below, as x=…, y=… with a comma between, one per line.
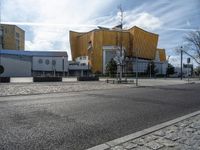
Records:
x=135, y=42
x=11, y=37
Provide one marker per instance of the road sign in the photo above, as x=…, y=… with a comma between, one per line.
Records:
x=188, y=60
x=187, y=65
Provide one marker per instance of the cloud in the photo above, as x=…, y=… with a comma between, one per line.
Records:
x=144, y=20
x=50, y=21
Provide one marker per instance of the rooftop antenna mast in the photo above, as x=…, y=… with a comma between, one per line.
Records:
x=0, y=12
x=121, y=15
x=121, y=36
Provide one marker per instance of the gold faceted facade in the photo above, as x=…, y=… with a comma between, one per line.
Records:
x=136, y=41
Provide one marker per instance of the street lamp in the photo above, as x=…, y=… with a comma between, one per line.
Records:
x=150, y=69
x=126, y=66
x=181, y=62
x=136, y=74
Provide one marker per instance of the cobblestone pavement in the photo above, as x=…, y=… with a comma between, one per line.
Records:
x=184, y=135
x=54, y=87
x=71, y=85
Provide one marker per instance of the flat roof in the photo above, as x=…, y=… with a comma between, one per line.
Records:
x=35, y=53
x=13, y=25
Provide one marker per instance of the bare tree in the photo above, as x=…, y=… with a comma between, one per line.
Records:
x=193, y=42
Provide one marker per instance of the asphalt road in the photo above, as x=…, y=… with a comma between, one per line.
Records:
x=79, y=120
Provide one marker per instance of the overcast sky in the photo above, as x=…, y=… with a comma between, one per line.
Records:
x=47, y=22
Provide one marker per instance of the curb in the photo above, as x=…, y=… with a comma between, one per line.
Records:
x=138, y=134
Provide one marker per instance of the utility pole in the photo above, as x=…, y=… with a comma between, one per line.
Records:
x=181, y=62
x=136, y=67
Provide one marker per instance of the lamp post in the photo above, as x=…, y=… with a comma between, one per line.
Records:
x=150, y=70
x=126, y=66
x=136, y=71
x=181, y=62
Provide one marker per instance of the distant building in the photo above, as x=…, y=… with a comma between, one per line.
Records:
x=40, y=63
x=11, y=37
x=33, y=63
x=99, y=46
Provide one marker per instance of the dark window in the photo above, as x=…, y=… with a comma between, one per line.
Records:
x=6, y=31
x=53, y=62
x=1, y=69
x=40, y=61
x=1, y=32
x=47, y=61
x=17, y=44
x=17, y=35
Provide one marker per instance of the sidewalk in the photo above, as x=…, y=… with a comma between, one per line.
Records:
x=158, y=81
x=23, y=86
x=180, y=134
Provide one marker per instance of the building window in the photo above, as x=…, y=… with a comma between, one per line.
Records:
x=17, y=35
x=53, y=62
x=1, y=38
x=17, y=44
x=6, y=31
x=47, y=61
x=40, y=61
x=17, y=41
x=1, y=32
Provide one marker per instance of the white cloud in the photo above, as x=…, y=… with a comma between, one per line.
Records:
x=51, y=20
x=144, y=20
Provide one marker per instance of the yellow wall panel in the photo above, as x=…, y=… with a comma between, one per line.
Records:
x=162, y=54
x=144, y=44
x=133, y=39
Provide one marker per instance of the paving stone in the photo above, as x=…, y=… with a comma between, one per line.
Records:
x=139, y=142
x=154, y=145
x=181, y=125
x=172, y=137
x=142, y=148
x=129, y=145
x=184, y=147
x=150, y=138
x=172, y=129
x=167, y=143
x=184, y=135
x=195, y=125
x=190, y=130
x=159, y=133
x=118, y=148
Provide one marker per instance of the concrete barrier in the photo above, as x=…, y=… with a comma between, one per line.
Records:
x=21, y=79
x=47, y=79
x=88, y=78
x=4, y=79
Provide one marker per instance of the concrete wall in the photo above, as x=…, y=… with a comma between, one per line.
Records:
x=15, y=66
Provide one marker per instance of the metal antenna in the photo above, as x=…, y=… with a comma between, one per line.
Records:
x=0, y=12
x=121, y=38
x=121, y=15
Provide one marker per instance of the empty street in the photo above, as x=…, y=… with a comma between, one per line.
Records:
x=82, y=119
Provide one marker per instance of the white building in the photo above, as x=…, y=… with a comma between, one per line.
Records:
x=33, y=63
